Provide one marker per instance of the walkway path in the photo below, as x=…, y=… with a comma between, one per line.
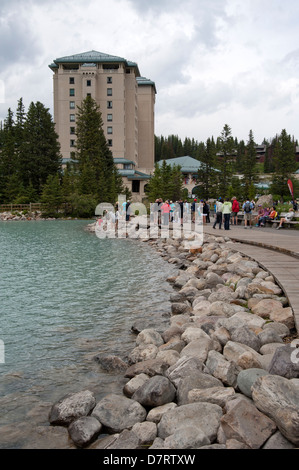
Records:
x=275, y=250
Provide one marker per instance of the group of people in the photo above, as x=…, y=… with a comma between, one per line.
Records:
x=226, y=212
x=179, y=211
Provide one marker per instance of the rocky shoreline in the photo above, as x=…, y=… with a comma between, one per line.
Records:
x=224, y=374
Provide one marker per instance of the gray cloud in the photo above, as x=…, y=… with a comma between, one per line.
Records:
x=17, y=40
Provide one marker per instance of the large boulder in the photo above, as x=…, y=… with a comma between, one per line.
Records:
x=278, y=398
x=202, y=417
x=285, y=362
x=245, y=423
x=117, y=413
x=156, y=391
x=84, y=430
x=71, y=407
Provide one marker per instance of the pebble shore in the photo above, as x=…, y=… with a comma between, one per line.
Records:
x=224, y=374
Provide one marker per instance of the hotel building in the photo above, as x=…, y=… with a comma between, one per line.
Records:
x=126, y=101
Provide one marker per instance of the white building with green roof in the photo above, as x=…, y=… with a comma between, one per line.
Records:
x=127, y=104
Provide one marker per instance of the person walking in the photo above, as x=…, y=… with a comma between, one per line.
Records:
x=227, y=208
x=219, y=210
x=235, y=210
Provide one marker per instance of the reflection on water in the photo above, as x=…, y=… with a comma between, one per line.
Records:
x=66, y=295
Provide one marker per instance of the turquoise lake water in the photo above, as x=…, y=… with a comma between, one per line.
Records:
x=66, y=295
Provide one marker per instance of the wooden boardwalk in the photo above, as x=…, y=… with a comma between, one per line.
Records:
x=275, y=250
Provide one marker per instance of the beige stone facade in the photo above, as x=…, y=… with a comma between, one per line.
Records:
x=127, y=104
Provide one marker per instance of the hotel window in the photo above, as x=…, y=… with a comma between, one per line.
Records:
x=72, y=117
x=72, y=91
x=109, y=130
x=109, y=79
x=72, y=143
x=72, y=80
x=72, y=130
x=109, y=142
x=109, y=91
x=88, y=82
x=109, y=117
x=72, y=105
x=109, y=104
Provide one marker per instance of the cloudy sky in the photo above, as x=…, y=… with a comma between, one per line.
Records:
x=214, y=62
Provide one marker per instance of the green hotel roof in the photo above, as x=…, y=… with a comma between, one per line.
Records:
x=123, y=160
x=92, y=57
x=187, y=164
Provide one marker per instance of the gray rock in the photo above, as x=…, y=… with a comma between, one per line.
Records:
x=198, y=348
x=216, y=395
x=127, y=439
x=278, y=441
x=224, y=370
x=71, y=407
x=203, y=417
x=133, y=384
x=212, y=279
x=84, y=430
x=149, y=336
x=192, y=333
x=184, y=368
x=156, y=391
x=246, y=336
x=146, y=432
x=269, y=335
x=117, y=412
x=278, y=398
x=150, y=367
x=281, y=329
x=285, y=362
x=157, y=444
x=246, y=378
x=232, y=351
x=143, y=352
x=111, y=362
x=198, y=380
x=247, y=424
x=187, y=438
x=155, y=414
x=179, y=308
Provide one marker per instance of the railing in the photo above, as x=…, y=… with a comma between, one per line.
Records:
x=33, y=206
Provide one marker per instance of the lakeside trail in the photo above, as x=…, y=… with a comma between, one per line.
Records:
x=222, y=375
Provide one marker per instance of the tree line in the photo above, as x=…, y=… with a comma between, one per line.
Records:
x=31, y=163
x=223, y=159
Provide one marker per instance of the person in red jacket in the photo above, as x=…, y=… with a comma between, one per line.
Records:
x=235, y=210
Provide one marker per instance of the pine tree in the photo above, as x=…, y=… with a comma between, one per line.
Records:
x=40, y=153
x=249, y=167
x=226, y=149
x=52, y=195
x=97, y=172
x=166, y=183
x=207, y=173
x=284, y=160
